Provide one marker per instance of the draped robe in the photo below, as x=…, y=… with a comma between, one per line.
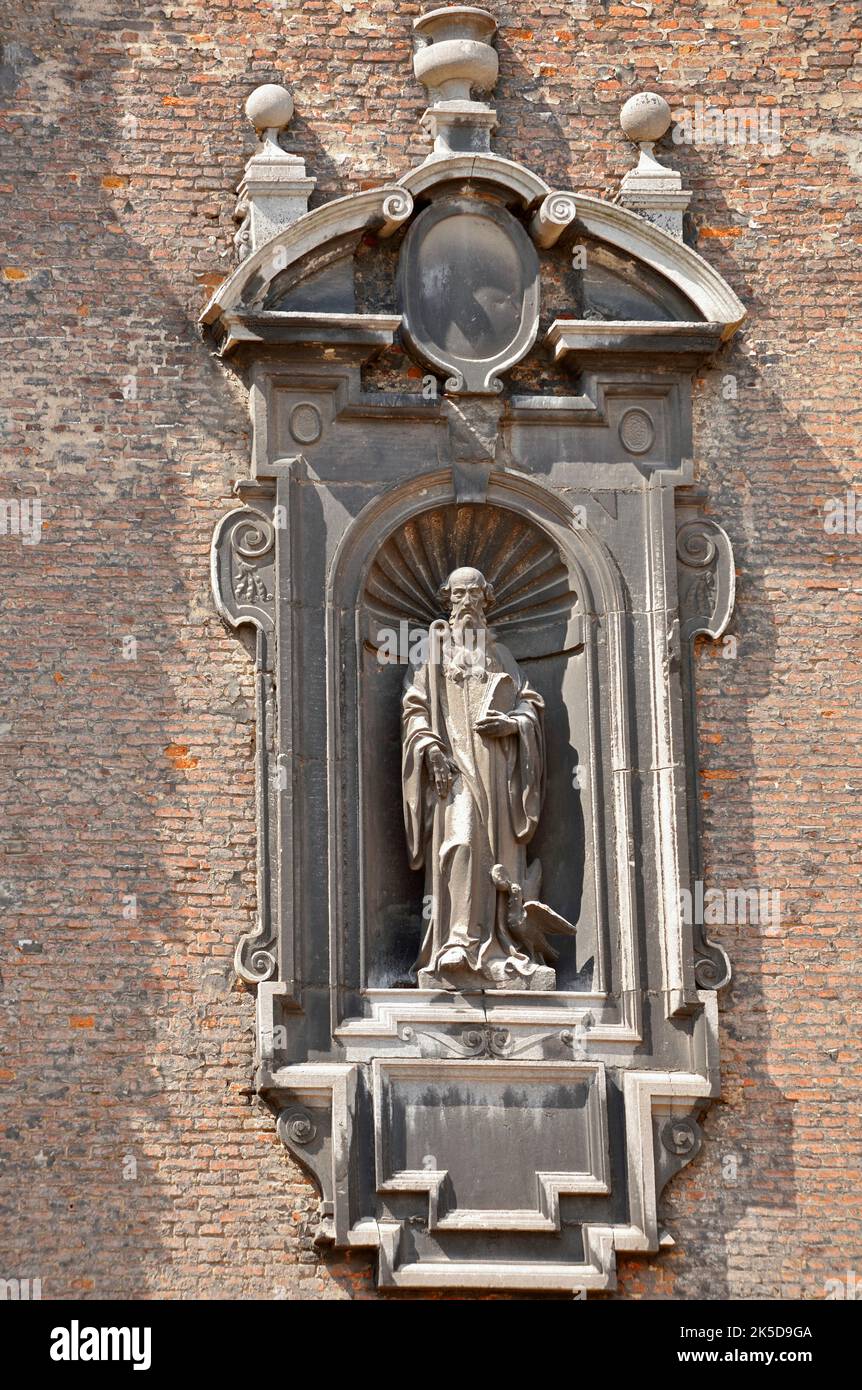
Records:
x=488, y=817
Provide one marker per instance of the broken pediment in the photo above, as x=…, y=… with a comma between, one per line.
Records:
x=619, y=287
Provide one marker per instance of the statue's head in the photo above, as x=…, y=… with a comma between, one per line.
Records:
x=467, y=593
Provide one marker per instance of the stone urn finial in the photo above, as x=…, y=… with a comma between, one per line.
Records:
x=454, y=57
x=455, y=53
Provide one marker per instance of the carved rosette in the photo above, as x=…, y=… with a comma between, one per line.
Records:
x=296, y=1126
x=681, y=1137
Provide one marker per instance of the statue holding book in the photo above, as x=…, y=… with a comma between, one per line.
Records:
x=473, y=777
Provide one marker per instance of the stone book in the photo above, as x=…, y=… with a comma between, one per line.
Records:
x=500, y=697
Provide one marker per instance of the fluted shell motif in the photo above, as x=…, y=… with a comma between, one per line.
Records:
x=531, y=584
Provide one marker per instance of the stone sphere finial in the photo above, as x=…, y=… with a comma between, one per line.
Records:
x=645, y=118
x=269, y=107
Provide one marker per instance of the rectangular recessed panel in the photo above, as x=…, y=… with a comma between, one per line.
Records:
x=490, y=1136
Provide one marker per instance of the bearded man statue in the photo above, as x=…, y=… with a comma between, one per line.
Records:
x=473, y=778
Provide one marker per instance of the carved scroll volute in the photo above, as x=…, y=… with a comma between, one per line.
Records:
x=243, y=581
x=707, y=590
x=243, y=569
x=707, y=585
x=306, y=1133
x=678, y=1139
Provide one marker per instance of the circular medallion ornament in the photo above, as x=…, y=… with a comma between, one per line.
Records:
x=637, y=431
x=296, y=1126
x=305, y=423
x=469, y=291
x=680, y=1137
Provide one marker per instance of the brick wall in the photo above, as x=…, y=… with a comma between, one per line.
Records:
x=135, y=1163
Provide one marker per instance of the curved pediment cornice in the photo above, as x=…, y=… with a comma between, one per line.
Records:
x=548, y=214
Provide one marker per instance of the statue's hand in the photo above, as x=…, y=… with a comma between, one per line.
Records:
x=441, y=769
x=497, y=725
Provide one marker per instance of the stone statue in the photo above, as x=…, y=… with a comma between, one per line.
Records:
x=473, y=775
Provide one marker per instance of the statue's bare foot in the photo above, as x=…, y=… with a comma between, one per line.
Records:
x=453, y=959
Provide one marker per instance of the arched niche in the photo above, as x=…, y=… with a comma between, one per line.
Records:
x=559, y=606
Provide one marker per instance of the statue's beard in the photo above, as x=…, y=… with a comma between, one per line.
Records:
x=465, y=618
x=465, y=646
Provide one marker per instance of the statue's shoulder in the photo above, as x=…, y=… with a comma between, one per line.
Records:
x=415, y=675
x=506, y=659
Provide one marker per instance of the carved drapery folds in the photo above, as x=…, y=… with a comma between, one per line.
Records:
x=476, y=1137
